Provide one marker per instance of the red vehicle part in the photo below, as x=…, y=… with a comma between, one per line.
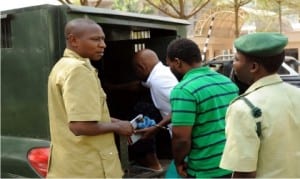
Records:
x=38, y=159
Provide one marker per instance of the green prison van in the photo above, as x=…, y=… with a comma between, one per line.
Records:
x=32, y=40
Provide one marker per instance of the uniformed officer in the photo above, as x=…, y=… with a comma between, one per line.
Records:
x=81, y=128
x=263, y=124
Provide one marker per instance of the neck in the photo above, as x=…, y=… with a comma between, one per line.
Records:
x=260, y=75
x=152, y=66
x=190, y=67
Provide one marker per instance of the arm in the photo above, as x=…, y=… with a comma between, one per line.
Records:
x=114, y=119
x=83, y=103
x=242, y=145
x=162, y=89
x=165, y=121
x=151, y=131
x=132, y=86
x=181, y=145
x=91, y=128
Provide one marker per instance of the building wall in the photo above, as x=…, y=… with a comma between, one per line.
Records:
x=222, y=46
x=294, y=41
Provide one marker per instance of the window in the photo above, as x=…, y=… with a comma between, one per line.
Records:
x=137, y=35
x=5, y=32
x=141, y=34
x=139, y=46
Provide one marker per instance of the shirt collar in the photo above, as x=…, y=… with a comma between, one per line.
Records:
x=71, y=54
x=265, y=81
x=196, y=70
x=153, y=71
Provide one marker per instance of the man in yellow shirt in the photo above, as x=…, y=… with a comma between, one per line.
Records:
x=82, y=131
x=263, y=124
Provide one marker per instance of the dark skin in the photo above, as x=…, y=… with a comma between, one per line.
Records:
x=248, y=71
x=92, y=128
x=86, y=38
x=149, y=132
x=181, y=139
x=181, y=146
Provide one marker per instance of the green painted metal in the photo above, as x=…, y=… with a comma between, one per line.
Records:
x=24, y=73
x=36, y=43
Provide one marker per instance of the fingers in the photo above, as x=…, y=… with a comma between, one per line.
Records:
x=126, y=128
x=181, y=169
x=183, y=174
x=140, y=130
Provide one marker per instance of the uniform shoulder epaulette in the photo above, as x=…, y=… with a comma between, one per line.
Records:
x=255, y=111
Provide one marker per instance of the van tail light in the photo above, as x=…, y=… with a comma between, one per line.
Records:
x=38, y=159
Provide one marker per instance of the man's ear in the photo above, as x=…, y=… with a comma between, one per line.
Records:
x=177, y=62
x=72, y=40
x=255, y=67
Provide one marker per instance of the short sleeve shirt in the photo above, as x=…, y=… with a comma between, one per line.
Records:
x=75, y=94
x=276, y=152
x=200, y=100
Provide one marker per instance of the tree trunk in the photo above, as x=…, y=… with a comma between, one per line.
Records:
x=236, y=18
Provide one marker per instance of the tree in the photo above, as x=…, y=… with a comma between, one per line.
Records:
x=80, y=2
x=280, y=7
x=179, y=8
x=132, y=6
x=235, y=5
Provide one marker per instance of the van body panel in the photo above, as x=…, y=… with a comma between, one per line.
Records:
x=32, y=42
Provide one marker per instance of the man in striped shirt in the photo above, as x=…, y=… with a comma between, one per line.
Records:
x=199, y=103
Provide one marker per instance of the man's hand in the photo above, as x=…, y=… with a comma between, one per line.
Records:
x=181, y=146
x=148, y=132
x=181, y=169
x=124, y=128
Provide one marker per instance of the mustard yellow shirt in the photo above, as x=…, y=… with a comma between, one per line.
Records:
x=277, y=152
x=75, y=94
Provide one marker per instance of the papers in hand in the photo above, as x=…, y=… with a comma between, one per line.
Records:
x=135, y=137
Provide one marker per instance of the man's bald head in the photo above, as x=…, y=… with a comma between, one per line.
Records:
x=144, y=61
x=86, y=38
x=146, y=56
x=77, y=27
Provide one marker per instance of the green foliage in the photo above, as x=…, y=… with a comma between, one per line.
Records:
x=182, y=9
x=136, y=6
x=273, y=5
x=80, y=2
